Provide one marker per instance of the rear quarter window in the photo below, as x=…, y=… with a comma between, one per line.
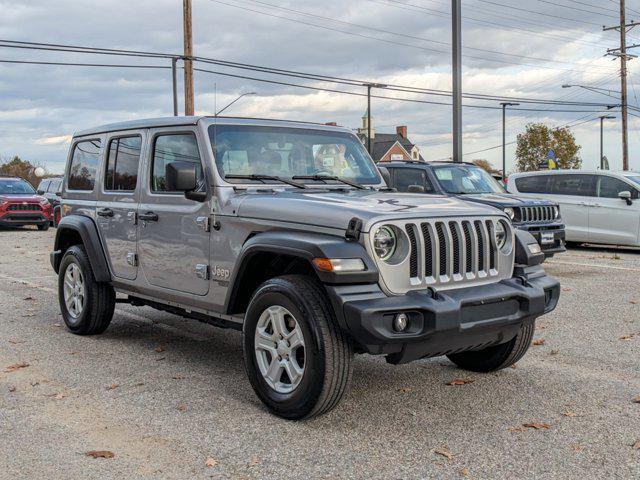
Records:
x=84, y=165
x=533, y=184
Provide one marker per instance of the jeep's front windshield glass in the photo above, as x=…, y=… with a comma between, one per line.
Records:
x=466, y=179
x=290, y=152
x=15, y=186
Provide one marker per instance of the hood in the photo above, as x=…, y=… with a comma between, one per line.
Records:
x=335, y=209
x=504, y=200
x=30, y=198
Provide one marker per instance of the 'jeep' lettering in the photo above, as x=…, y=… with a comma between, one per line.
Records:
x=220, y=273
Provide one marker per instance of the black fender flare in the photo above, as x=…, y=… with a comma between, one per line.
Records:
x=86, y=228
x=306, y=246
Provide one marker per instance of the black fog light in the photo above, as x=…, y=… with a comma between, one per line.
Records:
x=400, y=322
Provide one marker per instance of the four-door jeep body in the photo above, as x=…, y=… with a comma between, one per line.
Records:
x=541, y=218
x=286, y=231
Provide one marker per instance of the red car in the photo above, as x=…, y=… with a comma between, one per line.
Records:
x=20, y=204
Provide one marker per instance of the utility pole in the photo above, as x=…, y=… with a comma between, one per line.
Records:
x=174, y=79
x=621, y=52
x=188, y=63
x=504, y=106
x=602, y=119
x=456, y=15
x=369, y=87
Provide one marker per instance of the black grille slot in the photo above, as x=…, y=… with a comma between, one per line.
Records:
x=536, y=214
x=456, y=247
x=466, y=228
x=442, y=240
x=24, y=207
x=428, y=251
x=481, y=260
x=413, y=258
x=492, y=241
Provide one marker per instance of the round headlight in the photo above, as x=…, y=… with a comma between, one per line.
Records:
x=385, y=242
x=556, y=212
x=510, y=212
x=501, y=234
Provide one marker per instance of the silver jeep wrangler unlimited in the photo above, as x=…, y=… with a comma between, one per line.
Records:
x=287, y=231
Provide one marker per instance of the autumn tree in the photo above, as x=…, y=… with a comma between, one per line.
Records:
x=20, y=168
x=534, y=145
x=487, y=166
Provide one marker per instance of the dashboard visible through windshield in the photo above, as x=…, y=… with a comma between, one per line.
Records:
x=289, y=153
x=466, y=179
x=17, y=186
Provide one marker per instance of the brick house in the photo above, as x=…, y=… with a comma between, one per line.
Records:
x=387, y=147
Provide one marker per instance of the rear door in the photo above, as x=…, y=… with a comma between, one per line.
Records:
x=116, y=210
x=575, y=193
x=611, y=219
x=173, y=231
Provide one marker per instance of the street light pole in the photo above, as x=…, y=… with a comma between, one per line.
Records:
x=369, y=87
x=229, y=104
x=456, y=16
x=504, y=136
x=602, y=119
x=174, y=78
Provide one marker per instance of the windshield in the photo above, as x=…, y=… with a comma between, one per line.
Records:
x=635, y=179
x=290, y=152
x=15, y=186
x=466, y=179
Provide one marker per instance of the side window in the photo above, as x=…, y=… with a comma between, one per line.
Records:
x=122, y=164
x=169, y=148
x=577, y=185
x=44, y=185
x=405, y=177
x=533, y=184
x=54, y=186
x=84, y=164
x=609, y=187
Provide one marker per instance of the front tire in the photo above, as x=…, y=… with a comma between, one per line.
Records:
x=43, y=227
x=87, y=306
x=497, y=357
x=297, y=357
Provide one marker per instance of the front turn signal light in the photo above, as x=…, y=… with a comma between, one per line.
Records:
x=339, y=264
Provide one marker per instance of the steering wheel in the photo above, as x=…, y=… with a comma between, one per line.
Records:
x=323, y=171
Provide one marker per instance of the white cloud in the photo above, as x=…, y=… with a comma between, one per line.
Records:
x=59, y=140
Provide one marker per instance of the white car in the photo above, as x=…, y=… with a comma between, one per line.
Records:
x=597, y=207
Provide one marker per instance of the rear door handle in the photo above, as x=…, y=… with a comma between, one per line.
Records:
x=105, y=212
x=148, y=217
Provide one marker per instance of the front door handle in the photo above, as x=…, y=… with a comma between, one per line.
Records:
x=105, y=212
x=148, y=217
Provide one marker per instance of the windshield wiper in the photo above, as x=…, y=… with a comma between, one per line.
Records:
x=262, y=178
x=324, y=178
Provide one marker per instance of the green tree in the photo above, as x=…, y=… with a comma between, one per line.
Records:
x=534, y=145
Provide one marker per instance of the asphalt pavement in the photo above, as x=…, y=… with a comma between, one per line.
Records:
x=158, y=396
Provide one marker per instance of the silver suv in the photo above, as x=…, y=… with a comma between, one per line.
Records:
x=287, y=232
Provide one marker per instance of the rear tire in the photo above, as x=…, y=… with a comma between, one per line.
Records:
x=323, y=358
x=497, y=357
x=87, y=306
x=44, y=227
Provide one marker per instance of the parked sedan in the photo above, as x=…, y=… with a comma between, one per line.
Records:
x=597, y=207
x=469, y=182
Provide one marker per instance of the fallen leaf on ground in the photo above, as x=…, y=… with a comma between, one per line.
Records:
x=12, y=389
x=628, y=337
x=28, y=298
x=404, y=390
x=637, y=399
x=460, y=381
x=444, y=453
x=15, y=342
x=211, y=462
x=139, y=384
x=57, y=396
x=633, y=302
x=113, y=386
x=576, y=447
x=56, y=324
x=539, y=342
x=537, y=426
x=159, y=348
x=514, y=366
x=178, y=377
x=100, y=454
x=516, y=429
x=555, y=351
x=569, y=413
x=464, y=472
x=16, y=366
x=636, y=445
x=182, y=408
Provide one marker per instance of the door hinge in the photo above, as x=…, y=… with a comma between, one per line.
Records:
x=202, y=271
x=132, y=259
x=204, y=223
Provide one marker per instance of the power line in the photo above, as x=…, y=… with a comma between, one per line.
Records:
x=544, y=14
x=72, y=64
x=577, y=8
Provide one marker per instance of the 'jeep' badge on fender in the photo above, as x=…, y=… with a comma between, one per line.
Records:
x=220, y=273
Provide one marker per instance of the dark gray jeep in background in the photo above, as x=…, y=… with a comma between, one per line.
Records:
x=287, y=232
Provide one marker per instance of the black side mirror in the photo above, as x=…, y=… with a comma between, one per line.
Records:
x=626, y=196
x=416, y=189
x=386, y=176
x=40, y=192
x=182, y=177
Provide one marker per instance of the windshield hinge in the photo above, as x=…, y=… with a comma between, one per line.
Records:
x=354, y=230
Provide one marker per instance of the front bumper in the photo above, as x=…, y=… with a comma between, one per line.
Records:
x=22, y=218
x=453, y=321
x=555, y=230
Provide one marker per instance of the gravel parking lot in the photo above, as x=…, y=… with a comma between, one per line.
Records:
x=169, y=398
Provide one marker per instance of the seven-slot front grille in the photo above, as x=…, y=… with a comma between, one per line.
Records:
x=25, y=207
x=451, y=251
x=537, y=214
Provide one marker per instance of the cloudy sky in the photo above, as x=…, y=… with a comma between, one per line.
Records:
x=517, y=48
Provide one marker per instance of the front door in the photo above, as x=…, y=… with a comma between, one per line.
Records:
x=173, y=231
x=575, y=193
x=611, y=219
x=118, y=202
